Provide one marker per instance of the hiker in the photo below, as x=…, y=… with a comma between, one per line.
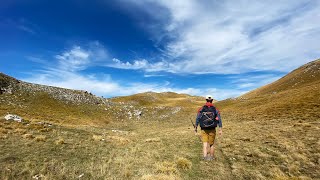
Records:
x=208, y=118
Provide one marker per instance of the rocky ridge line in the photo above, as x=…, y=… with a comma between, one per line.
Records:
x=9, y=85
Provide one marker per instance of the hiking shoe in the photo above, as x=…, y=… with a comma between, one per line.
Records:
x=209, y=158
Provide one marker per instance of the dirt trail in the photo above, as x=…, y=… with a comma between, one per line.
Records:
x=180, y=141
x=220, y=168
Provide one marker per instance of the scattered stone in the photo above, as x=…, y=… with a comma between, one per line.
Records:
x=81, y=175
x=45, y=124
x=10, y=117
x=37, y=176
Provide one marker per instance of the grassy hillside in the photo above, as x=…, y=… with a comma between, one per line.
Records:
x=269, y=133
x=295, y=96
x=275, y=129
x=144, y=136
x=56, y=105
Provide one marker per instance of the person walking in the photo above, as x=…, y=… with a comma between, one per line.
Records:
x=208, y=117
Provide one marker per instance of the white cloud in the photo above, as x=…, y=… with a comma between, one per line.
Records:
x=153, y=75
x=229, y=37
x=78, y=58
x=141, y=64
x=67, y=74
x=75, y=59
x=108, y=87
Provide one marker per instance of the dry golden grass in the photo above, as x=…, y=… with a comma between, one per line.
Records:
x=118, y=140
x=166, y=168
x=60, y=141
x=20, y=131
x=184, y=163
x=40, y=138
x=3, y=130
x=266, y=136
x=153, y=139
x=159, y=177
x=28, y=136
x=97, y=137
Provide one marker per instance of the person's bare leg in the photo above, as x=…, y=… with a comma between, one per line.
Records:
x=212, y=150
x=205, y=149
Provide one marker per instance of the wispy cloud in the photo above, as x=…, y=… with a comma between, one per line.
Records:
x=228, y=37
x=108, y=87
x=21, y=24
x=75, y=59
x=78, y=58
x=66, y=73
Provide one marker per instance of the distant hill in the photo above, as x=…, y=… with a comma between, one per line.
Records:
x=169, y=99
x=59, y=105
x=296, y=96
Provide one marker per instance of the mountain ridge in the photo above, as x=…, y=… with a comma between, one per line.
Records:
x=296, y=93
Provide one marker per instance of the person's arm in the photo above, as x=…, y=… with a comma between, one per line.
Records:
x=220, y=121
x=197, y=122
x=197, y=119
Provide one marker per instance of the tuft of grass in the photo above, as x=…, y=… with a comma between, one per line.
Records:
x=118, y=140
x=166, y=168
x=20, y=131
x=60, y=141
x=153, y=140
x=28, y=136
x=97, y=138
x=40, y=138
x=183, y=163
x=44, y=130
x=3, y=131
x=159, y=177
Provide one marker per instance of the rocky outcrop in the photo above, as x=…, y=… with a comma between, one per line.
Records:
x=67, y=95
x=9, y=85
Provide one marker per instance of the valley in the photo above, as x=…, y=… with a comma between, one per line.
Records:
x=269, y=133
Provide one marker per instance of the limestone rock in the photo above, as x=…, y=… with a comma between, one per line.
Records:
x=12, y=117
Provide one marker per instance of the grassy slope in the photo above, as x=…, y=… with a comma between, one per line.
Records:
x=257, y=144
x=158, y=149
x=275, y=129
x=148, y=148
x=44, y=108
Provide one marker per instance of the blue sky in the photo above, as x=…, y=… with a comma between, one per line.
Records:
x=123, y=47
